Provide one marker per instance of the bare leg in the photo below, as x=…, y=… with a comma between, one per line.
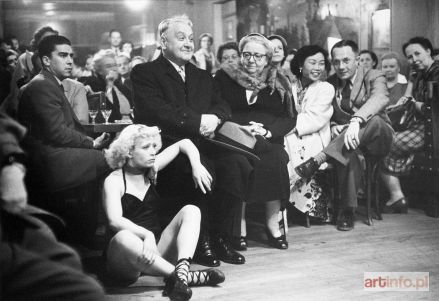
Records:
x=180, y=237
x=393, y=186
x=123, y=254
x=243, y=222
x=272, y=209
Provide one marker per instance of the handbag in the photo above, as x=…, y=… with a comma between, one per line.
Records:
x=402, y=116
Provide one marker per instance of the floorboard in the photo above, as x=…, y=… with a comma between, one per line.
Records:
x=321, y=264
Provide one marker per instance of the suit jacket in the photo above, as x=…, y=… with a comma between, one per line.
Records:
x=77, y=97
x=369, y=96
x=61, y=154
x=162, y=98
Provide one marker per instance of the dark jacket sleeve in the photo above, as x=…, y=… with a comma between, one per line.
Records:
x=10, y=134
x=220, y=107
x=281, y=126
x=48, y=114
x=151, y=106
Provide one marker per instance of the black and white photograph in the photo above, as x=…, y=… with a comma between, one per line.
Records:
x=219, y=150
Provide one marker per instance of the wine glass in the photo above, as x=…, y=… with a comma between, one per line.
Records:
x=105, y=110
x=106, y=113
x=93, y=114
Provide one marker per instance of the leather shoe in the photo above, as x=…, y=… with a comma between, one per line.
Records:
x=239, y=243
x=400, y=206
x=176, y=289
x=276, y=242
x=345, y=221
x=214, y=277
x=307, y=169
x=204, y=254
x=226, y=253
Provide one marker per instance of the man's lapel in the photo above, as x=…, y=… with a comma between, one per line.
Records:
x=64, y=99
x=170, y=70
x=358, y=90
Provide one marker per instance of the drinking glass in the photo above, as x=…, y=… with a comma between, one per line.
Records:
x=106, y=112
x=93, y=114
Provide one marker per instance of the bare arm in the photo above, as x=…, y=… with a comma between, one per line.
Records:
x=201, y=176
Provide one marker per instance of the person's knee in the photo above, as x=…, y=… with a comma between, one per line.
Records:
x=191, y=212
x=124, y=238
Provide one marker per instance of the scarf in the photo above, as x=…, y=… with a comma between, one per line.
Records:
x=271, y=77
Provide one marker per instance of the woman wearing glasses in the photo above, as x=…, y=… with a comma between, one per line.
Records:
x=260, y=98
x=228, y=54
x=313, y=102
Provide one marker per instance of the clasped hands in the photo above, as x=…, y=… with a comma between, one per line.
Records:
x=255, y=128
x=208, y=125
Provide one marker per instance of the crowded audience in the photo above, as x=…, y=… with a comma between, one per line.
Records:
x=257, y=124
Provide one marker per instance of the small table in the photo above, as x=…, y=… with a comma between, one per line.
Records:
x=104, y=127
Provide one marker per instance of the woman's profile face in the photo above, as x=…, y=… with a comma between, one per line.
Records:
x=254, y=57
x=144, y=153
x=314, y=67
x=205, y=43
x=278, y=51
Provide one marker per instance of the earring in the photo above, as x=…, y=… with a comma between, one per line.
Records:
x=300, y=69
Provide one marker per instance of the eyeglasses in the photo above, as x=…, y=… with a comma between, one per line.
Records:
x=227, y=57
x=345, y=61
x=257, y=56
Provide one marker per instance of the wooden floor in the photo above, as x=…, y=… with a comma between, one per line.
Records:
x=321, y=264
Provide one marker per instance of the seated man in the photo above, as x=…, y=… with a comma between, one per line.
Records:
x=182, y=101
x=106, y=79
x=358, y=122
x=61, y=155
x=33, y=264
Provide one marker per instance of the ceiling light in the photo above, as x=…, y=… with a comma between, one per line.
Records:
x=136, y=5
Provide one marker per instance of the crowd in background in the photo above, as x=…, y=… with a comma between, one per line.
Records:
x=302, y=110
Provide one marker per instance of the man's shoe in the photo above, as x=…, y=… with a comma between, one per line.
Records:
x=175, y=289
x=204, y=254
x=226, y=252
x=307, y=169
x=345, y=221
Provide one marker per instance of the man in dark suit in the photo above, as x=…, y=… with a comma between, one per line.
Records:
x=61, y=155
x=181, y=99
x=358, y=122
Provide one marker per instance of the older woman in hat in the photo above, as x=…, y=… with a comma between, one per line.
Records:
x=260, y=99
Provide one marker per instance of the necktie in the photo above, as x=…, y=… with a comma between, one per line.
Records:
x=345, y=103
x=182, y=73
x=61, y=87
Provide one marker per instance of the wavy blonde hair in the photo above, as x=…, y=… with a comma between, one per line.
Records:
x=120, y=149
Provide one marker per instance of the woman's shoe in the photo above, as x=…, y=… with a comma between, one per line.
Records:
x=400, y=206
x=276, y=242
x=239, y=243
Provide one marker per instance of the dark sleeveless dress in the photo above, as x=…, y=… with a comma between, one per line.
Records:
x=143, y=213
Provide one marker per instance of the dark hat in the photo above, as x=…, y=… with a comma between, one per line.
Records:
x=237, y=138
